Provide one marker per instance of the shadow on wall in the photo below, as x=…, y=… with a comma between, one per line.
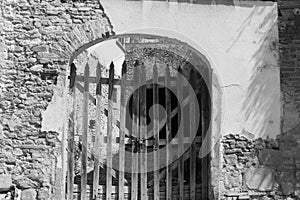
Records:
x=261, y=104
x=240, y=3
x=271, y=165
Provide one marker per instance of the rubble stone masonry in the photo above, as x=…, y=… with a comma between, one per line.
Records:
x=268, y=168
x=37, y=40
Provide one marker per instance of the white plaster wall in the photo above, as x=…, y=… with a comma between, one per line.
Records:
x=236, y=40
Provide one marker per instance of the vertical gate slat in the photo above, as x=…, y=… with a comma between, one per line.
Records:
x=156, y=133
x=168, y=135
x=143, y=127
x=192, y=145
x=109, y=132
x=209, y=119
x=135, y=130
x=180, y=135
x=99, y=135
x=122, y=135
x=85, y=132
x=204, y=124
x=71, y=138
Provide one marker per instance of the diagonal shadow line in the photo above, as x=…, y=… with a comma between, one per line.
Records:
x=117, y=122
x=240, y=30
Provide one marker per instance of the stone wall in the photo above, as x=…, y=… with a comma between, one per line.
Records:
x=257, y=168
x=289, y=34
x=37, y=40
x=269, y=168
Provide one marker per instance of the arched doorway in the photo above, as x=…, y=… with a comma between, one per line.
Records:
x=161, y=71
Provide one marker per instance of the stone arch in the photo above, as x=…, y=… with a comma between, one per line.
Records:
x=63, y=51
x=194, y=54
x=80, y=37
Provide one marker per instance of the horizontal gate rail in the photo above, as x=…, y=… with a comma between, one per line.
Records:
x=151, y=142
x=173, y=81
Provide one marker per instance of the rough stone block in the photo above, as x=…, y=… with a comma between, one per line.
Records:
x=261, y=178
x=287, y=142
x=297, y=193
x=36, y=68
x=245, y=197
x=298, y=175
x=25, y=183
x=29, y=194
x=5, y=182
x=40, y=48
x=233, y=180
x=287, y=188
x=297, y=156
x=287, y=175
x=270, y=157
x=43, y=194
x=231, y=159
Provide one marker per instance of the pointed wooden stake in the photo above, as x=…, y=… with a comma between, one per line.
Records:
x=109, y=133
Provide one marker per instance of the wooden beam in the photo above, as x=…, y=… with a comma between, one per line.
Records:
x=192, y=146
x=71, y=138
x=120, y=46
x=156, y=133
x=168, y=136
x=204, y=124
x=122, y=136
x=85, y=118
x=135, y=132
x=99, y=136
x=180, y=135
x=109, y=134
x=174, y=141
x=143, y=134
x=129, y=82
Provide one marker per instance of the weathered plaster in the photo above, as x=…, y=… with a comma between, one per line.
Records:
x=245, y=87
x=236, y=42
x=52, y=117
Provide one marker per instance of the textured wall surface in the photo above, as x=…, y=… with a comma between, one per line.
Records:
x=269, y=168
x=241, y=45
x=239, y=42
x=37, y=39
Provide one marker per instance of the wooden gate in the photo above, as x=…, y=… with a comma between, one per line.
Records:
x=187, y=178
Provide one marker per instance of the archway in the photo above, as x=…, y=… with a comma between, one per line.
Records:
x=194, y=68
